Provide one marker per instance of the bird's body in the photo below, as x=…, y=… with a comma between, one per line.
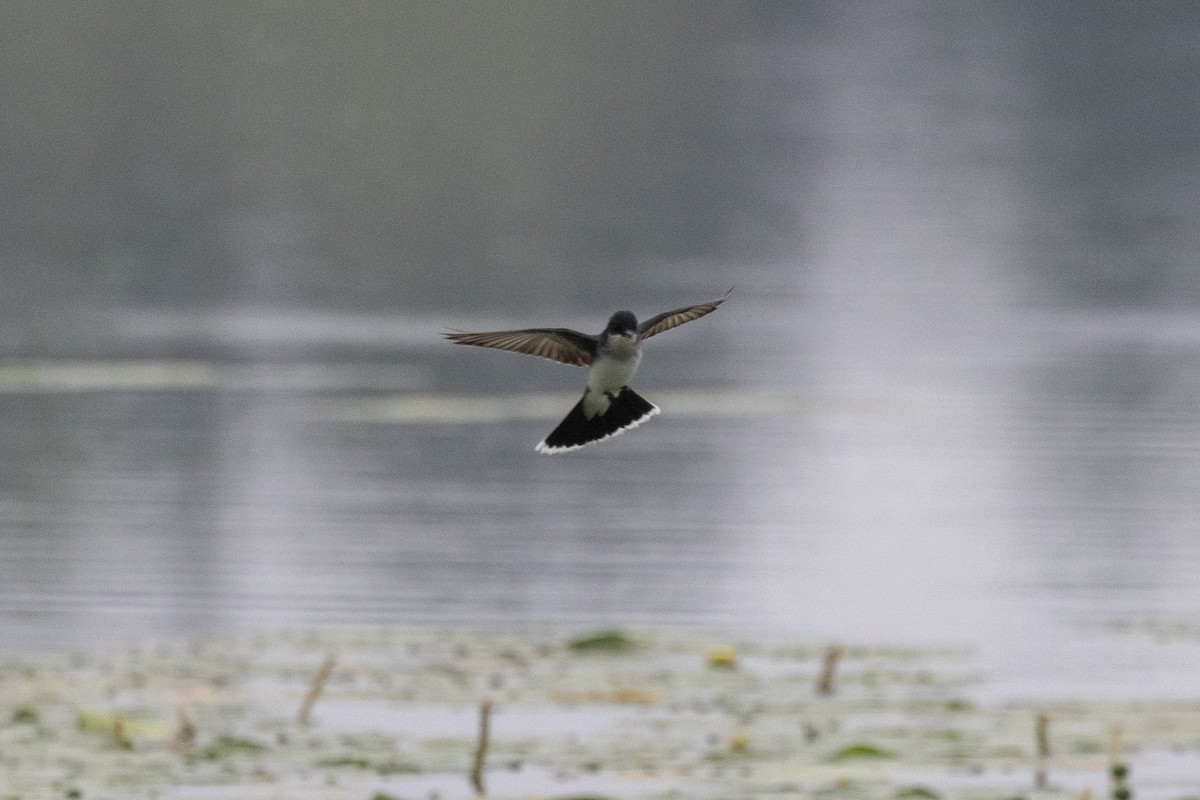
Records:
x=608, y=405
x=617, y=359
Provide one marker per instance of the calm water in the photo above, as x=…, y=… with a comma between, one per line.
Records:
x=952, y=399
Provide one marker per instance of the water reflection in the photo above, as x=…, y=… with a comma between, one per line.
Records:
x=951, y=397
x=1115, y=459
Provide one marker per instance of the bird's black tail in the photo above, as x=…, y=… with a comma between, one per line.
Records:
x=628, y=410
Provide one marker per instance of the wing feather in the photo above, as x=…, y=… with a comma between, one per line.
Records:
x=673, y=319
x=557, y=344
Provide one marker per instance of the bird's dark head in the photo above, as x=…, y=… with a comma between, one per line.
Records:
x=622, y=322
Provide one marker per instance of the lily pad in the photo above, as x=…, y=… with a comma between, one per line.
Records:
x=861, y=750
x=608, y=641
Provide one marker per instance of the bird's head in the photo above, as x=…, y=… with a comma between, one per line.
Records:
x=622, y=323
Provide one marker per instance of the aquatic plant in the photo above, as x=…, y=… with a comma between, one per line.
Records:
x=722, y=657
x=231, y=745
x=861, y=750
x=606, y=641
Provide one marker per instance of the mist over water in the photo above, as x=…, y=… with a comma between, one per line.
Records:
x=952, y=397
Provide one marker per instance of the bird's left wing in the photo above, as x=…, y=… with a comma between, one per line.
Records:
x=557, y=344
x=673, y=319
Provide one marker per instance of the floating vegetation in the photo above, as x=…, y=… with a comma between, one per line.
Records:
x=24, y=715
x=861, y=750
x=406, y=714
x=618, y=695
x=122, y=728
x=87, y=376
x=393, y=767
x=916, y=793
x=608, y=641
x=226, y=746
x=723, y=657
x=339, y=762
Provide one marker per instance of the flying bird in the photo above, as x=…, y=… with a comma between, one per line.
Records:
x=608, y=406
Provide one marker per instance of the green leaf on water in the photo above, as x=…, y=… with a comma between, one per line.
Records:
x=24, y=714
x=609, y=641
x=861, y=750
x=230, y=745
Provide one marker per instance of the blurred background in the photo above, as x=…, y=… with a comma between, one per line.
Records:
x=952, y=399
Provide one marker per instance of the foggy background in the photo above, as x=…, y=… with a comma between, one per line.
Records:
x=952, y=398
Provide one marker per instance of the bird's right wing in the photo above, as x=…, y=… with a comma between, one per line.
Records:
x=673, y=319
x=557, y=344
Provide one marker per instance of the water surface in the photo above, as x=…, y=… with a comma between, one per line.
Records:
x=952, y=398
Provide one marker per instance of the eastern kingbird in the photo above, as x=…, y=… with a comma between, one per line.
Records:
x=608, y=406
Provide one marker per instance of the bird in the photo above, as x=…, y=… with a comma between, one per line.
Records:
x=608, y=406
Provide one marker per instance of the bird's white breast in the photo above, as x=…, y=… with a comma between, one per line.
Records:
x=610, y=374
x=612, y=371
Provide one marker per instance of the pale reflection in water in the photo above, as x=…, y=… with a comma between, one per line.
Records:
x=951, y=399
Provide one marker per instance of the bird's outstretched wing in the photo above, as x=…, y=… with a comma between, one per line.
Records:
x=557, y=344
x=673, y=319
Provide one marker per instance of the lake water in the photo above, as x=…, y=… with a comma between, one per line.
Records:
x=953, y=397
